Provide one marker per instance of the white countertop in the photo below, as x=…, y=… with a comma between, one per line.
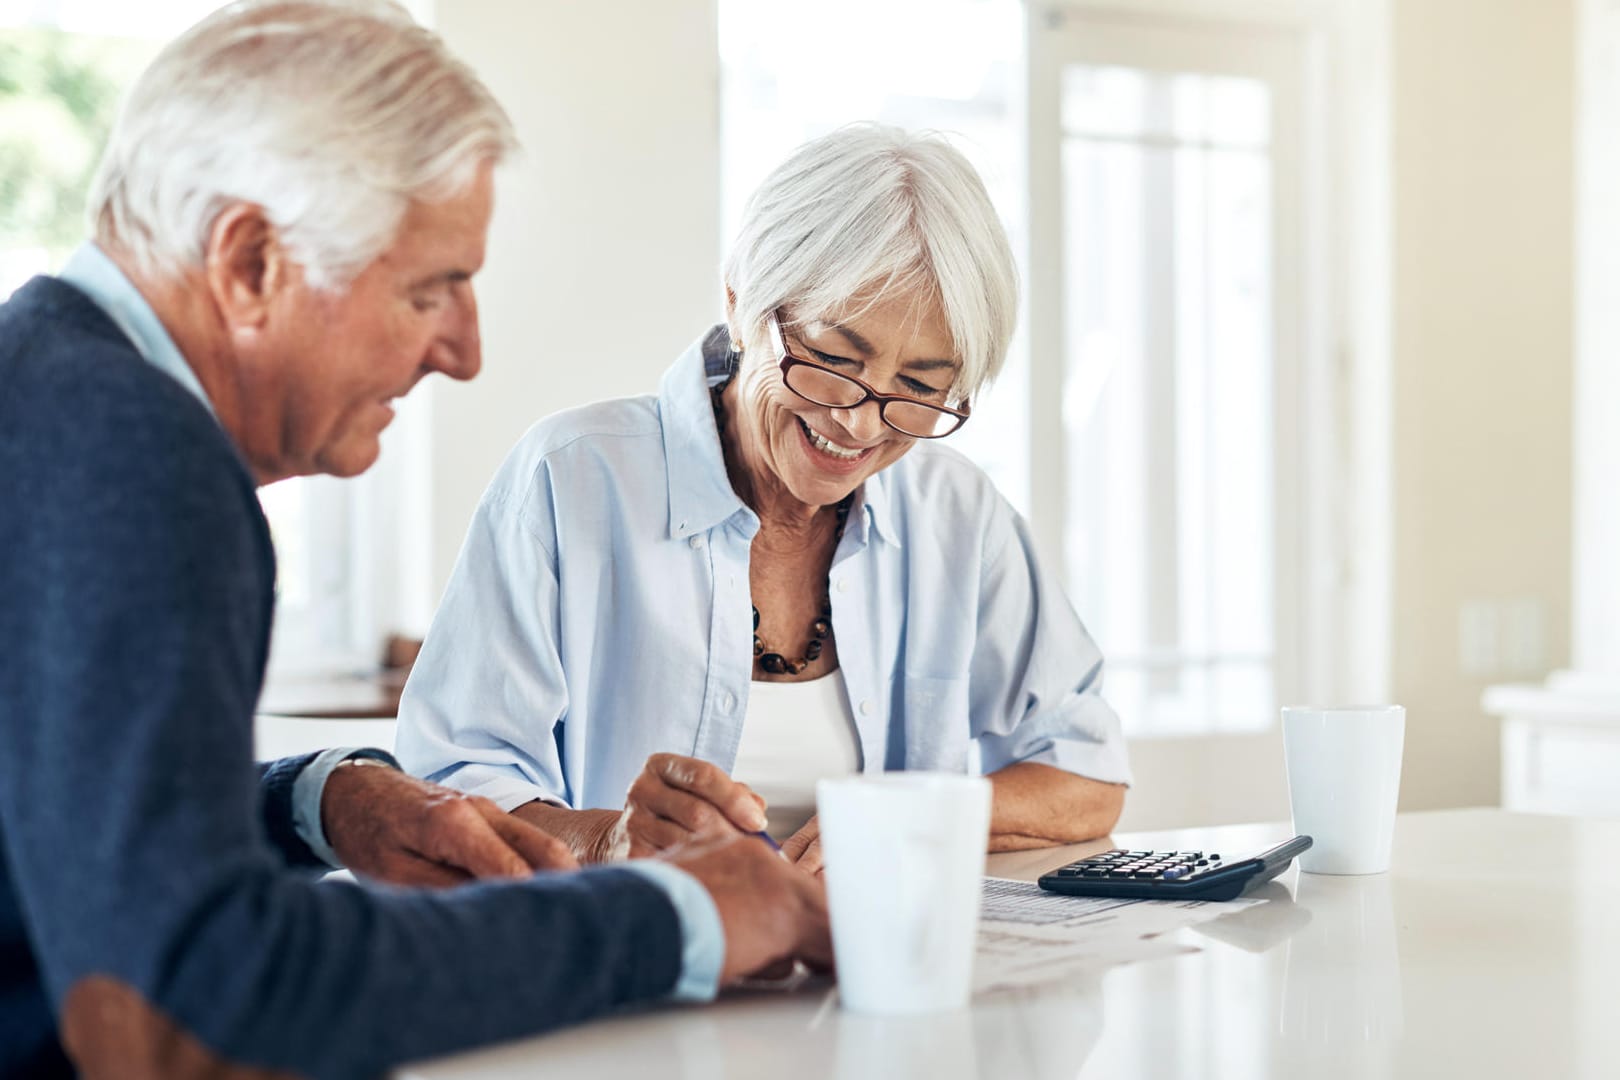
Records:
x=1492, y=949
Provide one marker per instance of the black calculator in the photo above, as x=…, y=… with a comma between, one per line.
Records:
x=1171, y=875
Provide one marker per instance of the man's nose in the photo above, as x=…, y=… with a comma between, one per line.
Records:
x=457, y=350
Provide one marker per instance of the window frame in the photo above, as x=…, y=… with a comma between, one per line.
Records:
x=1331, y=525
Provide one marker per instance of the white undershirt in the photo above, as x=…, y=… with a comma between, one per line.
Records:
x=793, y=735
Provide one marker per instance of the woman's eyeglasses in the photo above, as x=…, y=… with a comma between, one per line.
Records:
x=820, y=385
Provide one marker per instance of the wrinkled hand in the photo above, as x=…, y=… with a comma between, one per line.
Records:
x=387, y=825
x=771, y=912
x=803, y=848
x=679, y=799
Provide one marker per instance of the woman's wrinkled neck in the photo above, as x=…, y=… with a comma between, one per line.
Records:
x=784, y=520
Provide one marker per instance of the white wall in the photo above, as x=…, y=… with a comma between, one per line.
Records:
x=604, y=251
x=1483, y=187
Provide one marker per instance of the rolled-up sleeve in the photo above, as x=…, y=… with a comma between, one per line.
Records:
x=481, y=711
x=1036, y=674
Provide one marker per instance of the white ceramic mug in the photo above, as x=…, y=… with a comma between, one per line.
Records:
x=905, y=862
x=1344, y=777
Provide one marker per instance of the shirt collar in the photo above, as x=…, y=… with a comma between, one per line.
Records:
x=700, y=492
x=91, y=272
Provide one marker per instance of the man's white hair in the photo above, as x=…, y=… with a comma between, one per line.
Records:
x=868, y=213
x=330, y=115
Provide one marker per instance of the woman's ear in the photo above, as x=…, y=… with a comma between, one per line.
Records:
x=731, y=319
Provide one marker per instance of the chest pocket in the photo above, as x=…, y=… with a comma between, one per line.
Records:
x=935, y=726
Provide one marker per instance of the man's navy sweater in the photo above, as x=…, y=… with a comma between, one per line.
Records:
x=139, y=844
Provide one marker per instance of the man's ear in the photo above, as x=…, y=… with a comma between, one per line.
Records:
x=246, y=266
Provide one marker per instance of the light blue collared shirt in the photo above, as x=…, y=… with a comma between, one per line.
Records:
x=91, y=272
x=600, y=613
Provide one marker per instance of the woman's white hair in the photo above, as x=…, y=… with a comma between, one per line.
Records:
x=868, y=213
x=330, y=115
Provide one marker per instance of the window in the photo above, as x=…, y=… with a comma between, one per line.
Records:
x=1168, y=390
x=62, y=71
x=1183, y=332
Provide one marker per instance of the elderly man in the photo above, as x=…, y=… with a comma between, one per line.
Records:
x=286, y=221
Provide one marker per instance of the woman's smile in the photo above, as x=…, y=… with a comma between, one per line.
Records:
x=830, y=455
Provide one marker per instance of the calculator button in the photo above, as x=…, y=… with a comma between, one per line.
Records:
x=1147, y=873
x=1093, y=873
x=1175, y=872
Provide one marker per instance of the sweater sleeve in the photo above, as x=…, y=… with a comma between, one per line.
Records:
x=277, y=782
x=132, y=643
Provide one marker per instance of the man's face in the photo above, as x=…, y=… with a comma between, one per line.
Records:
x=343, y=357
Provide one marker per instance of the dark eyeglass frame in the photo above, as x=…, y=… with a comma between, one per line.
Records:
x=787, y=362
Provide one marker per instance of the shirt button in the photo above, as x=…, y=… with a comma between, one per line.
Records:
x=728, y=701
x=695, y=542
x=866, y=708
x=842, y=585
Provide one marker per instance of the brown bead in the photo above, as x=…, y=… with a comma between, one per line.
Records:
x=759, y=647
x=812, y=651
x=774, y=663
x=820, y=628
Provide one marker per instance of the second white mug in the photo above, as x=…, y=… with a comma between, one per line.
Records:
x=1344, y=778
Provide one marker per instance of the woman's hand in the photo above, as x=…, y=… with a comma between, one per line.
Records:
x=679, y=799
x=803, y=848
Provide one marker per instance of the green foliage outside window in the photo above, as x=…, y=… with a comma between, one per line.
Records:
x=59, y=95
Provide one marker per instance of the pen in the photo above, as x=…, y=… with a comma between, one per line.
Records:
x=765, y=836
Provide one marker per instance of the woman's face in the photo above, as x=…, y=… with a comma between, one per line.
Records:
x=820, y=454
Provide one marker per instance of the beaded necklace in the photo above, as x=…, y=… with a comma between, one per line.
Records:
x=769, y=660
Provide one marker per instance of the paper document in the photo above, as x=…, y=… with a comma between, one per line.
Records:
x=1029, y=936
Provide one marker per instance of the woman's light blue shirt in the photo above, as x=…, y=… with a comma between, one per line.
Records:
x=600, y=613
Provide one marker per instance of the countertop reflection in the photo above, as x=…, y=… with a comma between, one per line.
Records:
x=1488, y=950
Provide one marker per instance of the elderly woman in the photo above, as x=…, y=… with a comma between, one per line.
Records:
x=773, y=572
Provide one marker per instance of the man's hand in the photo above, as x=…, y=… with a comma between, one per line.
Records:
x=771, y=912
x=803, y=848
x=387, y=825
x=679, y=799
